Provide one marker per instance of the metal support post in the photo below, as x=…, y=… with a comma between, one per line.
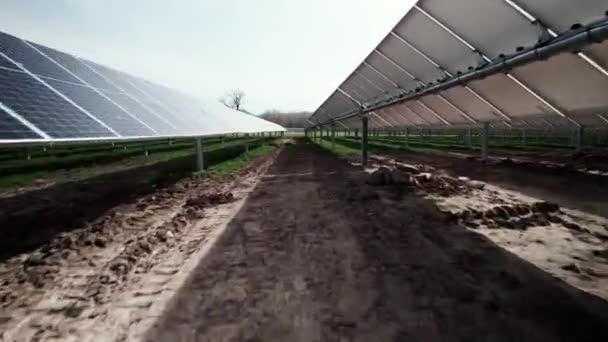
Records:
x=484, y=141
x=469, y=137
x=321, y=135
x=364, y=126
x=333, y=135
x=580, y=138
x=200, y=159
x=407, y=137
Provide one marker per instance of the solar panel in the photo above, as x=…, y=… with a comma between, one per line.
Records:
x=45, y=109
x=136, y=109
x=11, y=128
x=17, y=50
x=119, y=120
x=77, y=67
x=48, y=95
x=466, y=62
x=562, y=14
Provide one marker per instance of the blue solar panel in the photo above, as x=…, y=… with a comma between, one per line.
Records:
x=31, y=59
x=45, y=109
x=11, y=128
x=140, y=112
x=119, y=120
x=77, y=67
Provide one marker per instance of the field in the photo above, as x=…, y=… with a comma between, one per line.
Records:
x=295, y=241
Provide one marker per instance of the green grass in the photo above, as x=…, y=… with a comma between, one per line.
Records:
x=88, y=166
x=342, y=150
x=234, y=165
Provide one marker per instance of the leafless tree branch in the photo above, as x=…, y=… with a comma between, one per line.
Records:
x=233, y=99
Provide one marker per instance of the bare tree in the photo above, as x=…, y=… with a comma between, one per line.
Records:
x=233, y=99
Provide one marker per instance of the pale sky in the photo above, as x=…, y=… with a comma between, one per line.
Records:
x=286, y=55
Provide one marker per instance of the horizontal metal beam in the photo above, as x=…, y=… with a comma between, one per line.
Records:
x=570, y=41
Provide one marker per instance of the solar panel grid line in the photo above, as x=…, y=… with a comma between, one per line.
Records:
x=341, y=91
x=372, y=83
x=444, y=99
x=381, y=74
x=73, y=65
x=337, y=103
x=392, y=122
x=23, y=121
x=17, y=49
x=343, y=125
x=162, y=101
x=419, y=101
x=150, y=97
x=458, y=110
x=395, y=117
x=61, y=95
x=374, y=122
x=448, y=73
x=395, y=113
x=526, y=13
x=364, y=93
x=91, y=87
x=156, y=105
x=357, y=93
x=408, y=108
x=536, y=94
x=414, y=117
x=603, y=118
x=125, y=93
x=382, y=121
x=192, y=115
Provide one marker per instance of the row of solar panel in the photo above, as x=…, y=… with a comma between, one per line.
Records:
x=48, y=94
x=437, y=40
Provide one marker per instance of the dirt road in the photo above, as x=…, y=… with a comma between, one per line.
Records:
x=316, y=254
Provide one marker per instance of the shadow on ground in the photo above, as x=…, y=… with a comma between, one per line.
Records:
x=317, y=255
x=30, y=219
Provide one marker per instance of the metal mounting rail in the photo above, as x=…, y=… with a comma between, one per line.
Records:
x=570, y=41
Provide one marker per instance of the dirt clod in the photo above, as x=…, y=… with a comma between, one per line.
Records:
x=545, y=207
x=100, y=242
x=572, y=268
x=380, y=177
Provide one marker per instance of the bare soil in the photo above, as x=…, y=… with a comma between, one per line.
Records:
x=98, y=260
x=322, y=251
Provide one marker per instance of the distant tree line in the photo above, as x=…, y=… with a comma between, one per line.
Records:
x=287, y=119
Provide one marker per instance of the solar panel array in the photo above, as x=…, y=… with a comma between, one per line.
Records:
x=48, y=95
x=440, y=42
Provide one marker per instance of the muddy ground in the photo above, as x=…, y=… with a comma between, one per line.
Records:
x=97, y=260
x=322, y=251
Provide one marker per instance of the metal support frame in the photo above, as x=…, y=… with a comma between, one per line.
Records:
x=583, y=56
x=333, y=135
x=484, y=141
x=570, y=41
x=466, y=87
x=407, y=137
x=200, y=158
x=430, y=60
x=488, y=60
x=364, y=138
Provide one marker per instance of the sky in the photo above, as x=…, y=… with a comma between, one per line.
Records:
x=285, y=54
